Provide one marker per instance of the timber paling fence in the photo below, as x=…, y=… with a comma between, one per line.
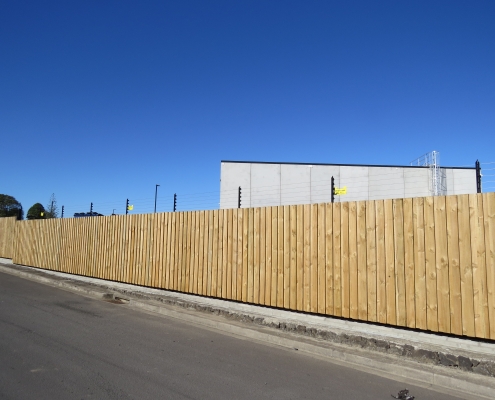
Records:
x=425, y=263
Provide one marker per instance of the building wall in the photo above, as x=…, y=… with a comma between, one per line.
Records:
x=274, y=184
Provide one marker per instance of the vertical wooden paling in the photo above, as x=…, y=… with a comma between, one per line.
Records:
x=192, y=252
x=230, y=249
x=268, y=255
x=287, y=254
x=478, y=263
x=245, y=253
x=431, y=271
x=390, y=262
x=321, y=260
x=168, y=250
x=419, y=263
x=162, y=252
x=443, y=296
x=329, y=259
x=454, y=266
x=371, y=278
x=293, y=257
x=219, y=260
x=362, y=264
x=225, y=248
x=141, y=261
x=206, y=252
x=173, y=255
x=183, y=250
x=400, y=281
x=274, y=278
x=344, y=257
x=211, y=234
x=409, y=262
x=484, y=274
x=489, y=219
x=353, y=261
x=240, y=253
x=184, y=265
x=337, y=264
x=125, y=249
x=235, y=252
x=214, y=265
x=262, y=260
x=255, y=287
x=307, y=258
x=300, y=257
x=201, y=252
x=249, y=280
x=280, y=257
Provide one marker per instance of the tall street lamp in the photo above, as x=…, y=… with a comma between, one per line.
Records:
x=156, y=192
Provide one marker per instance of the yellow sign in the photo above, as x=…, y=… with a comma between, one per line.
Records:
x=340, y=190
x=130, y=207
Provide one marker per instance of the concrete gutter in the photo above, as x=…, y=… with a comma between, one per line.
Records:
x=459, y=366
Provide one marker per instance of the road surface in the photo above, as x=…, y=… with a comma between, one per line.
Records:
x=59, y=345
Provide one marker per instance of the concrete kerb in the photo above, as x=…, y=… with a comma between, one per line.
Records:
x=416, y=357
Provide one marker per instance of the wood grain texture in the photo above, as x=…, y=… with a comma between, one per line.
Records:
x=489, y=220
x=390, y=262
x=430, y=266
x=353, y=261
x=455, y=306
x=329, y=295
x=287, y=257
x=337, y=266
x=400, y=281
x=419, y=263
x=371, y=279
x=362, y=262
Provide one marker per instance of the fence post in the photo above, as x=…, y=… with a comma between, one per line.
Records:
x=478, y=176
x=333, y=189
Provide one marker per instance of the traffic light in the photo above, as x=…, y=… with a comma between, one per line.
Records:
x=175, y=202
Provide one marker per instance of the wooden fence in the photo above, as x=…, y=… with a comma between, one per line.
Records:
x=7, y=226
x=426, y=263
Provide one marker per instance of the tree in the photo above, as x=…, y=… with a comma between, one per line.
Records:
x=37, y=211
x=51, y=207
x=10, y=207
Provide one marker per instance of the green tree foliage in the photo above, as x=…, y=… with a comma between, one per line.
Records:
x=37, y=211
x=10, y=207
x=51, y=208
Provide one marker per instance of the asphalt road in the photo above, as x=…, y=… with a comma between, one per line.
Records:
x=58, y=345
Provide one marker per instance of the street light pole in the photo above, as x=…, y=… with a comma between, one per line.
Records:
x=156, y=192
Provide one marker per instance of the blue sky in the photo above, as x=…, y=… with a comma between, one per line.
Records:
x=100, y=101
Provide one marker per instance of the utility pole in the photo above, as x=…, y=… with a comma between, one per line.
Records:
x=175, y=202
x=127, y=207
x=239, y=198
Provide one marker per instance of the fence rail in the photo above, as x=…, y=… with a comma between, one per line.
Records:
x=425, y=263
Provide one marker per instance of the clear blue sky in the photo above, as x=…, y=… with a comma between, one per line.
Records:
x=100, y=101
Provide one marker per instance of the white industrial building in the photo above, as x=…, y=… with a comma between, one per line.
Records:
x=272, y=184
